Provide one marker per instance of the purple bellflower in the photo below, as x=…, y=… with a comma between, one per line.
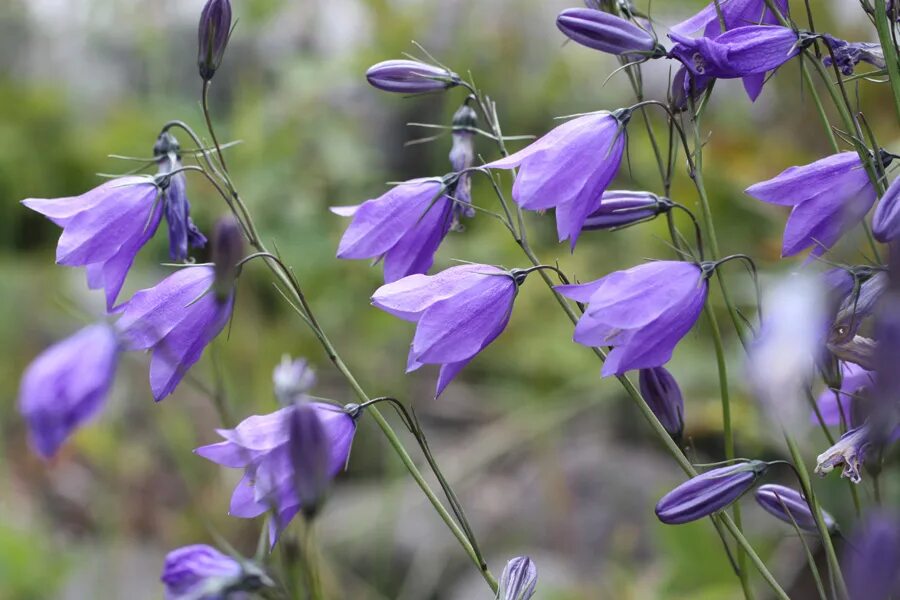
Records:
x=104, y=229
x=213, y=33
x=734, y=14
x=66, y=386
x=850, y=450
x=608, y=33
x=182, y=231
x=410, y=77
x=291, y=379
x=854, y=381
x=709, y=492
x=267, y=448
x=886, y=219
x=829, y=197
x=790, y=506
x=458, y=312
x=872, y=558
x=405, y=226
x=622, y=208
x=518, y=580
x=200, y=572
x=569, y=168
x=663, y=395
x=849, y=54
x=642, y=312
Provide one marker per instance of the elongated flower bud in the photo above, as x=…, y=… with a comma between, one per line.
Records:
x=661, y=392
x=608, y=33
x=215, y=28
x=790, y=506
x=310, y=452
x=708, y=493
x=518, y=580
x=228, y=250
x=622, y=208
x=462, y=156
x=886, y=220
x=410, y=77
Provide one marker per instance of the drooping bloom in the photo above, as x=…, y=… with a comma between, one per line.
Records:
x=790, y=506
x=849, y=54
x=709, y=492
x=872, y=558
x=182, y=231
x=850, y=451
x=213, y=33
x=734, y=14
x=176, y=319
x=410, y=77
x=292, y=379
x=886, y=219
x=462, y=157
x=66, y=386
x=623, y=208
x=458, y=312
x=663, y=395
x=518, y=580
x=642, y=312
x=688, y=89
x=829, y=197
x=405, y=226
x=608, y=33
x=858, y=349
x=200, y=572
x=854, y=381
x=104, y=229
x=569, y=169
x=268, y=450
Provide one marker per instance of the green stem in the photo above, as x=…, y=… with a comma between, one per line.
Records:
x=890, y=51
x=311, y=560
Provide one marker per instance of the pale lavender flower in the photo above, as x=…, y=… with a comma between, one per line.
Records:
x=855, y=381
x=791, y=506
x=291, y=379
x=410, y=77
x=200, y=572
x=518, y=580
x=849, y=54
x=268, y=449
x=66, y=385
x=404, y=226
x=829, y=197
x=458, y=312
x=709, y=492
x=872, y=558
x=104, y=229
x=663, y=395
x=213, y=34
x=569, y=169
x=642, y=312
x=608, y=33
x=182, y=231
x=849, y=451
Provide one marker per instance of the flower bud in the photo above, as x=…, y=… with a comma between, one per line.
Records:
x=661, y=392
x=886, y=220
x=462, y=157
x=791, y=507
x=858, y=350
x=292, y=378
x=228, y=250
x=215, y=29
x=608, y=33
x=200, y=571
x=621, y=208
x=518, y=580
x=410, y=77
x=708, y=493
x=310, y=455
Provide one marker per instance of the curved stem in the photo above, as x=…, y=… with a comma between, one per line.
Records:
x=890, y=50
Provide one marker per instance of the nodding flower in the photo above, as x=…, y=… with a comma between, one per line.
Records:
x=790, y=506
x=709, y=492
x=608, y=33
x=518, y=580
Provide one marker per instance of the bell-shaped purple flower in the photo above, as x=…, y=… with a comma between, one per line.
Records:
x=709, y=492
x=410, y=77
x=663, y=395
x=790, y=506
x=268, y=448
x=200, y=572
x=622, y=208
x=886, y=219
x=854, y=381
x=642, y=312
x=213, y=33
x=608, y=33
x=182, y=231
x=405, y=226
x=829, y=197
x=458, y=312
x=104, y=229
x=176, y=319
x=569, y=169
x=849, y=54
x=872, y=558
x=66, y=385
x=734, y=14
x=518, y=580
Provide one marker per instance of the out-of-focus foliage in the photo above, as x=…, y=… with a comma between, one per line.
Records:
x=551, y=461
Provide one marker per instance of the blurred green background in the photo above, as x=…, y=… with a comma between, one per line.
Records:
x=549, y=460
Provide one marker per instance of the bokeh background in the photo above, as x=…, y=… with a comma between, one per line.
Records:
x=549, y=460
